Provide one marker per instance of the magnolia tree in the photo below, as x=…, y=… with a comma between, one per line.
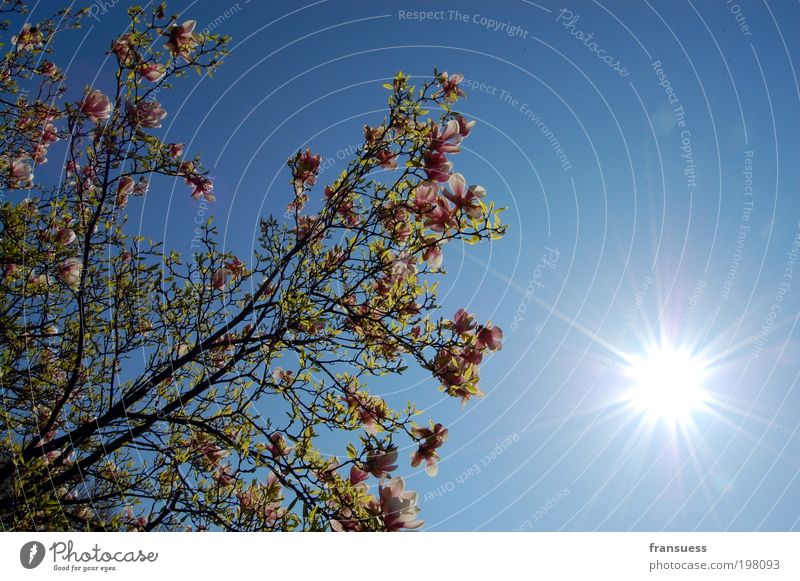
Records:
x=142, y=391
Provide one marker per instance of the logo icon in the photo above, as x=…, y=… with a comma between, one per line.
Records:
x=31, y=554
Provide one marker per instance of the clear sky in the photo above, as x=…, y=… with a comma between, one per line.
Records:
x=648, y=155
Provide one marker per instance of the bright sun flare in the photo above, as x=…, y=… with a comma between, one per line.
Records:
x=667, y=385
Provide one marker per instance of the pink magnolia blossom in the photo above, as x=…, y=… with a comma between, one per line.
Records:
x=49, y=134
x=176, y=150
x=280, y=375
x=123, y=50
x=124, y=189
x=433, y=438
x=65, y=236
x=441, y=218
x=490, y=337
x=248, y=499
x=29, y=38
x=182, y=39
x=49, y=69
x=464, y=126
x=277, y=445
x=446, y=140
x=9, y=268
x=465, y=393
x=433, y=256
x=450, y=367
x=404, y=266
x=52, y=456
x=436, y=166
x=463, y=322
x=152, y=71
x=449, y=87
x=306, y=169
x=38, y=280
x=70, y=272
x=40, y=154
x=425, y=196
x=472, y=356
x=387, y=159
x=45, y=438
x=224, y=476
x=136, y=522
x=202, y=187
x=141, y=187
x=146, y=114
x=357, y=475
x=463, y=197
x=398, y=508
x=96, y=106
x=370, y=410
x=380, y=464
x=21, y=174
x=273, y=511
x=373, y=134
x=213, y=453
x=344, y=522
x=235, y=266
x=219, y=278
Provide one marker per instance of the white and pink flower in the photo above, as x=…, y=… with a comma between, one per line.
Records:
x=70, y=271
x=124, y=189
x=146, y=114
x=96, y=106
x=489, y=337
x=65, y=236
x=202, y=187
x=433, y=256
x=20, y=174
x=152, y=71
x=465, y=197
x=449, y=87
x=176, y=150
x=29, y=38
x=182, y=39
x=398, y=507
x=432, y=439
x=380, y=464
x=49, y=69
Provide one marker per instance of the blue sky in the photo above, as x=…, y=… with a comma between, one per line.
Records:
x=630, y=224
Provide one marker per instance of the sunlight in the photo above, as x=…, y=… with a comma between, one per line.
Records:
x=667, y=385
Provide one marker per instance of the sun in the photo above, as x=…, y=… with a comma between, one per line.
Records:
x=667, y=385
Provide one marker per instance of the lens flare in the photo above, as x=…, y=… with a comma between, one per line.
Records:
x=667, y=385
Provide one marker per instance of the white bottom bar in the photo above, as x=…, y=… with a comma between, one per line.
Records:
x=585, y=556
